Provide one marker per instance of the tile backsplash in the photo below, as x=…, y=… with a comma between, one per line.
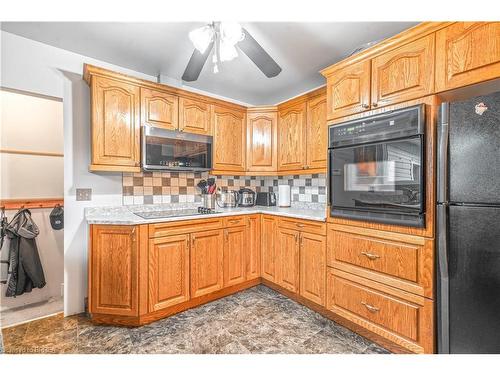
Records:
x=180, y=187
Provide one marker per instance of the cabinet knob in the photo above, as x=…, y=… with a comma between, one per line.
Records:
x=365, y=106
x=374, y=104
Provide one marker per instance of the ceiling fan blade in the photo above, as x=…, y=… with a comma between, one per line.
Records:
x=196, y=63
x=259, y=56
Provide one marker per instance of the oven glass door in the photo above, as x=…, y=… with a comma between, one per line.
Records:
x=385, y=176
x=177, y=153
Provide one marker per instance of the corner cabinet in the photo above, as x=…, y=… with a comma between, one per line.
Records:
x=316, y=133
x=115, y=134
x=262, y=140
x=292, y=137
x=229, y=139
x=467, y=53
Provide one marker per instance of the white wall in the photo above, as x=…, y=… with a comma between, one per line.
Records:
x=31, y=123
x=35, y=67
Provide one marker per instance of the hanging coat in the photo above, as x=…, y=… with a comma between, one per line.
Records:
x=25, y=268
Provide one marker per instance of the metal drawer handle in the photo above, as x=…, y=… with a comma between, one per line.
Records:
x=234, y=221
x=300, y=225
x=370, y=255
x=370, y=307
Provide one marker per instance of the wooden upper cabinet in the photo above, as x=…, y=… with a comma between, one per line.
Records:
x=292, y=136
x=113, y=279
x=159, y=109
x=404, y=73
x=269, y=249
x=229, y=139
x=467, y=53
x=253, y=246
x=317, y=134
x=207, y=268
x=289, y=259
x=115, y=125
x=348, y=90
x=194, y=116
x=168, y=274
x=235, y=261
x=262, y=141
x=313, y=267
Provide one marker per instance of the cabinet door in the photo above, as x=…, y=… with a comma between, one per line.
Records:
x=194, y=116
x=317, y=137
x=404, y=73
x=269, y=248
x=348, y=90
x=207, y=268
x=235, y=260
x=113, y=280
x=313, y=267
x=292, y=138
x=253, y=247
x=159, y=109
x=289, y=258
x=262, y=142
x=467, y=53
x=168, y=272
x=115, y=124
x=229, y=139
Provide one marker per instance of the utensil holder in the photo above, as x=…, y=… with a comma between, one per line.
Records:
x=208, y=200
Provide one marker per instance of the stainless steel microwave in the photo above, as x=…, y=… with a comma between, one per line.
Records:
x=171, y=150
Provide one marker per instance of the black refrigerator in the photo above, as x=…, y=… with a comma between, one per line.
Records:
x=468, y=226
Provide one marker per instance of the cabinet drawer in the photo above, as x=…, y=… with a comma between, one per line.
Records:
x=383, y=257
x=394, y=314
x=183, y=227
x=234, y=221
x=401, y=317
x=303, y=225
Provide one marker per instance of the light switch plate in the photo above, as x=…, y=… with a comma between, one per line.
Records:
x=83, y=194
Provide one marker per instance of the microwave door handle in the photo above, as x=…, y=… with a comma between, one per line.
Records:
x=329, y=178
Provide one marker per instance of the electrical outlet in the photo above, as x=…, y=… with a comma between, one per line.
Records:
x=62, y=289
x=83, y=194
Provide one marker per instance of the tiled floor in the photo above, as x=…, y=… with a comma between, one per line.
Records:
x=30, y=312
x=257, y=320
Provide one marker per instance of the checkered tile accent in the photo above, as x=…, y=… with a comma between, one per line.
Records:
x=180, y=187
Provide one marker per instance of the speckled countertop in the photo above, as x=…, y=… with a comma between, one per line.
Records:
x=124, y=215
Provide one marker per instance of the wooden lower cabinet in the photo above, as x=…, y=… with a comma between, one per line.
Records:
x=269, y=248
x=288, y=259
x=113, y=270
x=398, y=316
x=235, y=255
x=313, y=267
x=168, y=271
x=253, y=247
x=207, y=268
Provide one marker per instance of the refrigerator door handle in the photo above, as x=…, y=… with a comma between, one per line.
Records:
x=442, y=154
x=443, y=282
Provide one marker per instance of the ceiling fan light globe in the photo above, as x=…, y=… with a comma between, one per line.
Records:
x=227, y=51
x=231, y=32
x=202, y=37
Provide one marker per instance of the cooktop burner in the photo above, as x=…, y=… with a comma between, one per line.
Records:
x=175, y=213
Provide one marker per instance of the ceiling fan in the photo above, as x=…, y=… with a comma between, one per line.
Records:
x=222, y=38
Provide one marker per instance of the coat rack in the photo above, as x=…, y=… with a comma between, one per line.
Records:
x=16, y=204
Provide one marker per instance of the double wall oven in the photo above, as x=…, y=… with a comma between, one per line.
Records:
x=376, y=168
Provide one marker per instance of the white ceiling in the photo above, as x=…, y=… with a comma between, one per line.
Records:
x=301, y=49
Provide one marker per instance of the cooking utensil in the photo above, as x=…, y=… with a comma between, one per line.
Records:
x=202, y=185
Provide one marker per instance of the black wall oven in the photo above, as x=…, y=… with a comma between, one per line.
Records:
x=376, y=168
